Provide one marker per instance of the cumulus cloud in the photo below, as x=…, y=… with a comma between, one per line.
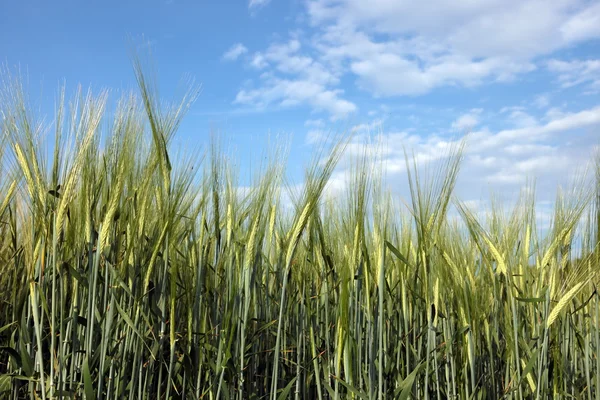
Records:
x=467, y=122
x=389, y=74
x=502, y=159
x=422, y=46
x=259, y=61
x=475, y=28
x=399, y=48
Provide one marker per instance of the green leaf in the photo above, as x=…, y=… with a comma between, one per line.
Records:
x=329, y=389
x=352, y=389
x=405, y=387
x=397, y=253
x=529, y=367
x=531, y=299
x=13, y=353
x=286, y=391
x=87, y=380
x=26, y=363
x=264, y=327
x=5, y=383
x=128, y=320
x=80, y=278
x=5, y=327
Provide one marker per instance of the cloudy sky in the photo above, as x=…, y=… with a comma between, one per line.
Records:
x=522, y=77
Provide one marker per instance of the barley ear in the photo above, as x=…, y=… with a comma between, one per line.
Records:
x=563, y=303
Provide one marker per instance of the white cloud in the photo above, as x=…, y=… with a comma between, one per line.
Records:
x=473, y=28
x=292, y=79
x=505, y=159
x=388, y=74
x=315, y=136
x=583, y=25
x=285, y=58
x=235, y=52
x=531, y=134
x=521, y=119
x=577, y=72
x=317, y=123
x=400, y=48
x=372, y=127
x=534, y=166
x=287, y=93
x=542, y=101
x=467, y=122
x=528, y=149
x=254, y=4
x=258, y=61
x=422, y=46
x=554, y=113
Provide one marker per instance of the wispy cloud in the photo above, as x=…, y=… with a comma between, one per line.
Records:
x=143, y=42
x=316, y=123
x=542, y=101
x=315, y=136
x=287, y=93
x=577, y=72
x=254, y=4
x=235, y=52
x=292, y=79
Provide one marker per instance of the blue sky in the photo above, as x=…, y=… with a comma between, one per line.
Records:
x=522, y=76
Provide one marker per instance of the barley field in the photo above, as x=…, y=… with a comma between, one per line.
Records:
x=130, y=272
